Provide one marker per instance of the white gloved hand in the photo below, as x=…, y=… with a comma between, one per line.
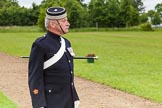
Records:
x=76, y=104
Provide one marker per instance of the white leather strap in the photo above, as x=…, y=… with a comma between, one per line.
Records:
x=56, y=56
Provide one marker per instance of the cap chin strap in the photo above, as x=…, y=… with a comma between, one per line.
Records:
x=60, y=26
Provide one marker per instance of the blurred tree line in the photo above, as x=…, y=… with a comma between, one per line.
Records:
x=12, y=14
x=98, y=13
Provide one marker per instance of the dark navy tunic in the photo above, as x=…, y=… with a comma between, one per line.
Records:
x=54, y=86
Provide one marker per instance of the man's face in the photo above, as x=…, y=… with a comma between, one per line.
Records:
x=64, y=23
x=55, y=26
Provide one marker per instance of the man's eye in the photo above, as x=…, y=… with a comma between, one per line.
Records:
x=64, y=20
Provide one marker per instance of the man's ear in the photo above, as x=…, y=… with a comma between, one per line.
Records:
x=52, y=24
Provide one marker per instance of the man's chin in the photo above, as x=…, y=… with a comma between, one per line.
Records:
x=66, y=31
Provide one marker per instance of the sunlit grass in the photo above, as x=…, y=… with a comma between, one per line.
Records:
x=5, y=102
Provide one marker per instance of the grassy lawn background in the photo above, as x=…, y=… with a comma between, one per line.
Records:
x=128, y=61
x=5, y=102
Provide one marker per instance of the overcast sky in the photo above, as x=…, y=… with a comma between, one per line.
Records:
x=149, y=4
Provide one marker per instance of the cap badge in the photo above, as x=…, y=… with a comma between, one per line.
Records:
x=55, y=10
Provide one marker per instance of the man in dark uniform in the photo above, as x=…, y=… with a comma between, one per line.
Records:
x=51, y=77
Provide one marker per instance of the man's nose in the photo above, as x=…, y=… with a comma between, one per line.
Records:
x=68, y=23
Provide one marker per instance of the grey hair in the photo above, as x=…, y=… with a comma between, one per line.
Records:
x=46, y=22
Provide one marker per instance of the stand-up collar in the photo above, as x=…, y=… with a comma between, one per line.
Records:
x=55, y=36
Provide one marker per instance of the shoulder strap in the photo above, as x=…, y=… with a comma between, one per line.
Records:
x=56, y=57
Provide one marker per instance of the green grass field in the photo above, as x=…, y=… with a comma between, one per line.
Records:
x=128, y=61
x=5, y=102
